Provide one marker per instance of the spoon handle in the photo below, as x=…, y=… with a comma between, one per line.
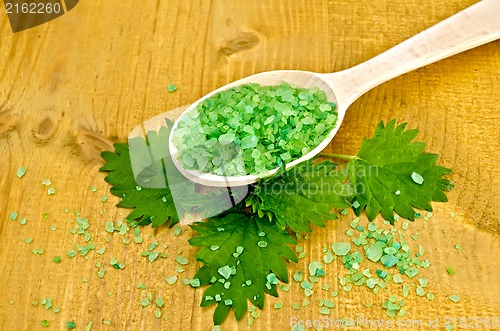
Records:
x=472, y=27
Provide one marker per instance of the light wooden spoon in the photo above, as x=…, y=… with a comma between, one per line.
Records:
x=472, y=27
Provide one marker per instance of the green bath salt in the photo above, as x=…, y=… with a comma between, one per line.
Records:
x=251, y=129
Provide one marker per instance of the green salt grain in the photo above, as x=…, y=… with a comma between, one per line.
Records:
x=417, y=178
x=397, y=278
x=411, y=272
x=171, y=280
x=423, y=282
x=306, y=285
x=144, y=302
x=328, y=257
x=21, y=171
x=225, y=271
x=195, y=282
x=389, y=260
x=177, y=230
x=324, y=311
x=181, y=260
x=341, y=248
x=109, y=227
x=406, y=290
x=159, y=302
x=13, y=216
x=374, y=253
x=278, y=305
x=450, y=271
x=171, y=88
x=454, y=298
x=152, y=256
x=328, y=303
x=157, y=313
x=101, y=273
x=46, y=182
x=297, y=276
x=314, y=267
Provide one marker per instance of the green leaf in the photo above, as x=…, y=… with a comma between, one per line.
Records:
x=158, y=192
x=301, y=195
x=392, y=173
x=150, y=205
x=234, y=251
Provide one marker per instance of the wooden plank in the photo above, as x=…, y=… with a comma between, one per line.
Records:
x=72, y=87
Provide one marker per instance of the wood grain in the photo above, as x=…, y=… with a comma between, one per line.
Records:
x=72, y=87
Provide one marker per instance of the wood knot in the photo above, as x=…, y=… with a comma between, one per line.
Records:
x=92, y=144
x=243, y=42
x=7, y=123
x=44, y=130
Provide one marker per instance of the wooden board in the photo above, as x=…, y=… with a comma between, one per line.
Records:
x=73, y=86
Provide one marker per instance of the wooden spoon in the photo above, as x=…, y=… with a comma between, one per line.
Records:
x=472, y=27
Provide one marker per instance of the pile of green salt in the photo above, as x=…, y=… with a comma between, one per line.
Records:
x=251, y=129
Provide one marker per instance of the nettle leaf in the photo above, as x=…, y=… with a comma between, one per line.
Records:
x=151, y=205
x=392, y=173
x=243, y=257
x=157, y=191
x=301, y=195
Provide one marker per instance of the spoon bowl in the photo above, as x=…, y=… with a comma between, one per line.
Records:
x=304, y=79
x=472, y=27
